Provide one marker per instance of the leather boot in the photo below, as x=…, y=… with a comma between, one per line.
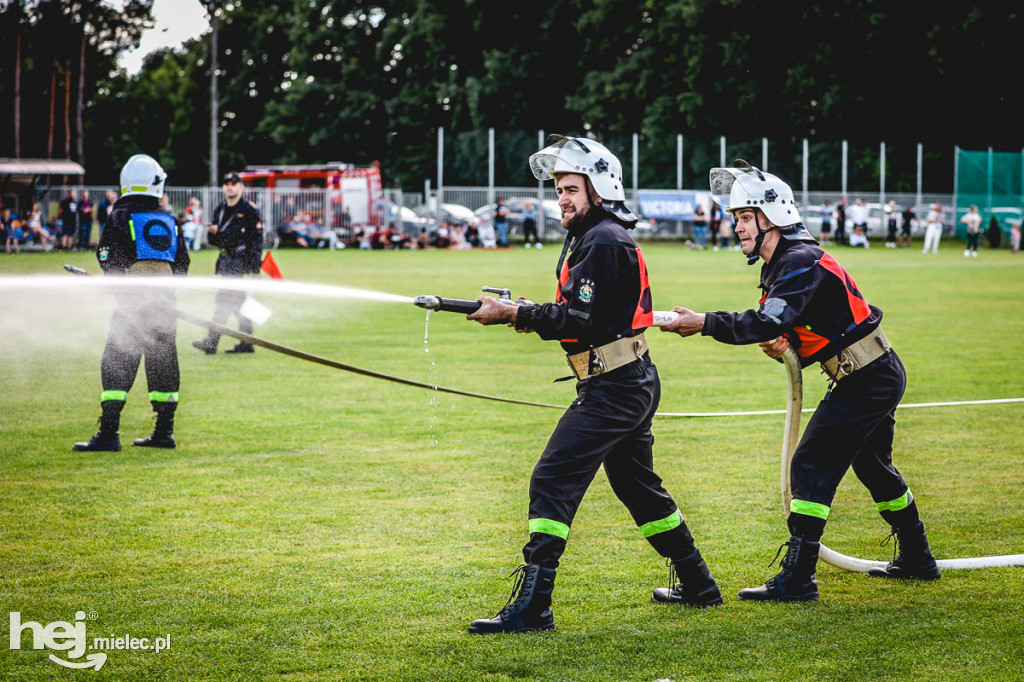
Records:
x=528, y=607
x=241, y=347
x=796, y=580
x=163, y=431
x=207, y=345
x=690, y=583
x=107, y=438
x=912, y=557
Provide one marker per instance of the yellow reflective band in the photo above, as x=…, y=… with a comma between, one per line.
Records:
x=131, y=226
x=550, y=527
x=809, y=509
x=160, y=397
x=138, y=188
x=901, y=502
x=114, y=395
x=668, y=523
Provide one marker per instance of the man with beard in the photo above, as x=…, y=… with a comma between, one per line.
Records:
x=602, y=307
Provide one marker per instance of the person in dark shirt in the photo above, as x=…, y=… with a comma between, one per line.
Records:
x=811, y=303
x=601, y=309
x=236, y=228
x=140, y=238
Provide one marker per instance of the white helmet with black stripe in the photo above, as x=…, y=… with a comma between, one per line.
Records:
x=586, y=157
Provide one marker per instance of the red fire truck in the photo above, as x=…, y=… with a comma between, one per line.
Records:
x=352, y=196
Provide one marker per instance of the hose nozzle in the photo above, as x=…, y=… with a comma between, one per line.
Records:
x=428, y=302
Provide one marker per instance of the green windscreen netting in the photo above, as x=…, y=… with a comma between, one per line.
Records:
x=994, y=182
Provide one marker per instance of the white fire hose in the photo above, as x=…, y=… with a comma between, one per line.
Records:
x=790, y=438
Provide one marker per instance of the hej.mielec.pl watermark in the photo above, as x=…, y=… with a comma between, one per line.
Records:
x=71, y=637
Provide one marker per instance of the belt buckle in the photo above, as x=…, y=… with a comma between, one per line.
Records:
x=596, y=364
x=846, y=365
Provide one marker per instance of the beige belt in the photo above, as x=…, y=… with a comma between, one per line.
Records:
x=857, y=355
x=610, y=356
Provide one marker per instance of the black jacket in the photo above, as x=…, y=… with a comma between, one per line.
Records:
x=239, y=236
x=599, y=291
x=797, y=291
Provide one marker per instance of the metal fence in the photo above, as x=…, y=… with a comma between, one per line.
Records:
x=413, y=212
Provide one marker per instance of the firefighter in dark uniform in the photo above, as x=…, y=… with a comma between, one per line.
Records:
x=140, y=238
x=237, y=229
x=810, y=303
x=602, y=307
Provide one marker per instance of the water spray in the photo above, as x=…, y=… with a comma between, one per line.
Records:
x=466, y=307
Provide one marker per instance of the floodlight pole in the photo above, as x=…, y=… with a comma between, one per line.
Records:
x=214, y=114
x=881, y=174
x=490, y=165
x=679, y=161
x=764, y=153
x=920, y=172
x=807, y=151
x=846, y=156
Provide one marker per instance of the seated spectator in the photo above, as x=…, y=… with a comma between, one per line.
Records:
x=485, y=229
x=459, y=239
x=472, y=235
x=423, y=242
x=293, y=232
x=34, y=228
x=363, y=236
x=443, y=238
x=859, y=238
x=379, y=239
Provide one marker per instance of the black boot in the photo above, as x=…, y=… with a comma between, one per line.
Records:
x=163, y=432
x=207, y=345
x=690, y=583
x=796, y=580
x=241, y=347
x=106, y=439
x=912, y=557
x=528, y=607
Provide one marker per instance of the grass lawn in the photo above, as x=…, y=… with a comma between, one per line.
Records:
x=315, y=524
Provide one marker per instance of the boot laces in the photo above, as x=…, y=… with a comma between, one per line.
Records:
x=792, y=545
x=673, y=575
x=520, y=578
x=894, y=538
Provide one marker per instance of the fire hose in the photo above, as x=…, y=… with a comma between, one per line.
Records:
x=790, y=438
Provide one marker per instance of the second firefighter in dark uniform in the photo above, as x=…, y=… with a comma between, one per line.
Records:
x=236, y=228
x=602, y=307
x=812, y=304
x=140, y=238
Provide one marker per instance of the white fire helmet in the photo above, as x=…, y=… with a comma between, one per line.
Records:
x=744, y=186
x=587, y=157
x=141, y=174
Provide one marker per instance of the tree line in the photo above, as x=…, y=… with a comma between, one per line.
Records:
x=310, y=81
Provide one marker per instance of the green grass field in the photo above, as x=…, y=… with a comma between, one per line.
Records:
x=315, y=524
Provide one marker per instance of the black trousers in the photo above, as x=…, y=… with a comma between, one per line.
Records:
x=609, y=424
x=852, y=427
x=143, y=324
x=227, y=303
x=530, y=231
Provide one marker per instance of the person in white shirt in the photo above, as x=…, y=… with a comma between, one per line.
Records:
x=972, y=219
x=933, y=229
x=859, y=218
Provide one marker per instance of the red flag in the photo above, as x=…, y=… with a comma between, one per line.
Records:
x=270, y=267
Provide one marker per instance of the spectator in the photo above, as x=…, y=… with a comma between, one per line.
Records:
x=893, y=218
x=859, y=218
x=103, y=210
x=933, y=229
x=700, y=227
x=724, y=233
x=8, y=227
x=501, y=212
x=35, y=226
x=859, y=238
x=972, y=219
x=473, y=236
x=193, y=223
x=530, y=225
x=1015, y=237
x=67, y=219
x=715, y=223
x=485, y=228
x=364, y=240
x=86, y=211
x=909, y=220
x=443, y=238
x=826, y=212
x=841, y=221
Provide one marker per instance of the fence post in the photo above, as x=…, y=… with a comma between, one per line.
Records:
x=636, y=163
x=920, y=173
x=956, y=181
x=846, y=156
x=764, y=153
x=490, y=165
x=721, y=151
x=541, y=215
x=807, y=151
x=881, y=175
x=440, y=167
x=679, y=161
